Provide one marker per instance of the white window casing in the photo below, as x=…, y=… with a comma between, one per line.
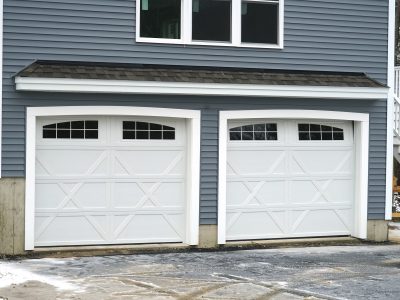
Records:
x=186, y=27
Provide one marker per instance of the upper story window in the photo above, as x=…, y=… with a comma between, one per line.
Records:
x=241, y=23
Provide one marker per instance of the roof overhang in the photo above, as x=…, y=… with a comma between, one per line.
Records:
x=70, y=85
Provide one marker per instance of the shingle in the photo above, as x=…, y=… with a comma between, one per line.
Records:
x=164, y=73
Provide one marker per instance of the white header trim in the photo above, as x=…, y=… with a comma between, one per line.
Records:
x=193, y=178
x=361, y=138
x=184, y=88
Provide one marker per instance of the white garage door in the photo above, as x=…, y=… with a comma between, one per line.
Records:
x=289, y=179
x=109, y=180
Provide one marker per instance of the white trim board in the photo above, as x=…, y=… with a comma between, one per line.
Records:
x=361, y=139
x=185, y=88
x=390, y=110
x=193, y=180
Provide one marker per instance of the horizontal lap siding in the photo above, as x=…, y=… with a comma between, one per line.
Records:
x=328, y=35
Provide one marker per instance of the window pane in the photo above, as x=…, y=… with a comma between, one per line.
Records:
x=211, y=20
x=160, y=19
x=128, y=135
x=77, y=124
x=155, y=135
x=169, y=135
x=63, y=134
x=259, y=22
x=77, y=134
x=91, y=134
x=91, y=124
x=128, y=125
x=49, y=134
x=235, y=136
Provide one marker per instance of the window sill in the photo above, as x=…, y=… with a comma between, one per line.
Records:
x=202, y=43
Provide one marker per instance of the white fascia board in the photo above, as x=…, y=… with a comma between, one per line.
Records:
x=184, y=88
x=390, y=109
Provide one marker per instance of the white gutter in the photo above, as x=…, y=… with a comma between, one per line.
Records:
x=184, y=88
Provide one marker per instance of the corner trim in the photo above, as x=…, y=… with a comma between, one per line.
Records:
x=390, y=110
x=185, y=88
x=1, y=82
x=361, y=139
x=193, y=120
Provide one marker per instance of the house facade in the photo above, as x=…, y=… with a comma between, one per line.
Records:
x=148, y=121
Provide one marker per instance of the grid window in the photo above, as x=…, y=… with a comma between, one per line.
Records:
x=240, y=23
x=72, y=130
x=133, y=130
x=318, y=132
x=254, y=132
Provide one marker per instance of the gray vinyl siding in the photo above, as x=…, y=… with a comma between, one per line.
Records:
x=14, y=123
x=329, y=35
x=325, y=35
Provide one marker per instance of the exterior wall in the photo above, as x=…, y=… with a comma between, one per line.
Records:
x=14, y=124
x=330, y=35
x=326, y=35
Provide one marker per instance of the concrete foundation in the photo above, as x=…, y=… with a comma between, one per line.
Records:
x=12, y=217
x=377, y=230
x=208, y=236
x=394, y=232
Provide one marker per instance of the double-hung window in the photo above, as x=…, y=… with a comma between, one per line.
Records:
x=241, y=23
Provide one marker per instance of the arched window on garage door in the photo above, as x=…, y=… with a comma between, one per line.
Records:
x=254, y=132
x=135, y=130
x=87, y=129
x=319, y=132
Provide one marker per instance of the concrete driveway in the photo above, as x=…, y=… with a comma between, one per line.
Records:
x=335, y=272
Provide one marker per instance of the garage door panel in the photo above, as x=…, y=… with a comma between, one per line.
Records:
x=251, y=225
x=51, y=194
x=150, y=162
x=164, y=227
x=256, y=162
x=80, y=162
x=290, y=187
x=110, y=190
x=255, y=193
x=316, y=162
x=329, y=221
x=91, y=195
x=81, y=228
x=321, y=191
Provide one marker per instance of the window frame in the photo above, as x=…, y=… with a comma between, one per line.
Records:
x=236, y=27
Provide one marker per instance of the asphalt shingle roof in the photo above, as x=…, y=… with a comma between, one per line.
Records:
x=164, y=73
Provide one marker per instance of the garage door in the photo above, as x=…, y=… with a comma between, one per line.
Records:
x=289, y=179
x=109, y=180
